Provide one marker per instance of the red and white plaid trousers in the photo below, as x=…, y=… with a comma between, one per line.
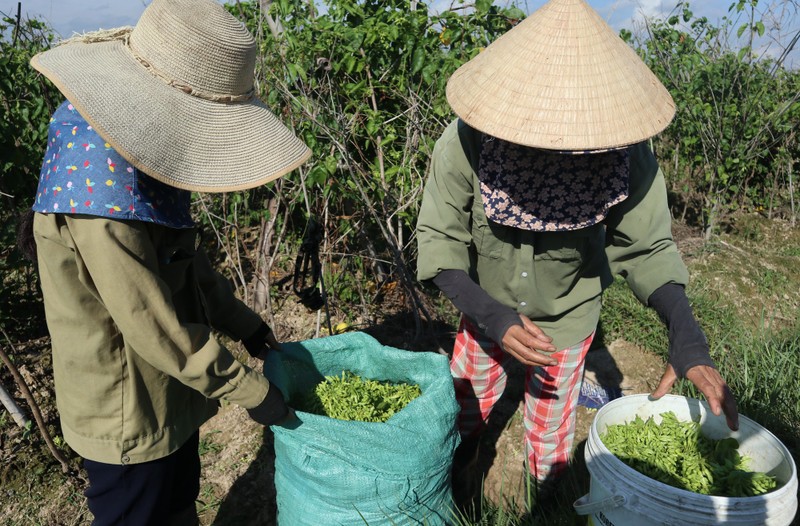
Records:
x=551, y=395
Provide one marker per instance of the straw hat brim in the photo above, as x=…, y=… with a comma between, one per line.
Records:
x=181, y=140
x=562, y=79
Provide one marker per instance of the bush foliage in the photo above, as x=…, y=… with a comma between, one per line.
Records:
x=26, y=102
x=363, y=81
x=733, y=143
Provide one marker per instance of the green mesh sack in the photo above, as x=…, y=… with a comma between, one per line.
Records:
x=336, y=472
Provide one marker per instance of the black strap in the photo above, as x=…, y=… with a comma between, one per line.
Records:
x=307, y=268
x=308, y=271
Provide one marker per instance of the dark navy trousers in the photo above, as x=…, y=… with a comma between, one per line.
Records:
x=145, y=494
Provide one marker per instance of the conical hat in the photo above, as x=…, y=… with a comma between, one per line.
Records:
x=562, y=79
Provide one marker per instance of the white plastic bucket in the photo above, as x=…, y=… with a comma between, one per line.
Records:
x=621, y=496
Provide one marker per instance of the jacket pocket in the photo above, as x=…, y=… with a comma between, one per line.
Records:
x=486, y=244
x=564, y=247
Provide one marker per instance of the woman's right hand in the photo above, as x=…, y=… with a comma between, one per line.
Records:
x=526, y=341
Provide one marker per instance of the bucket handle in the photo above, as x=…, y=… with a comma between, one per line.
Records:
x=583, y=507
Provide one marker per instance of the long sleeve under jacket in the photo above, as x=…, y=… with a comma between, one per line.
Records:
x=129, y=307
x=554, y=278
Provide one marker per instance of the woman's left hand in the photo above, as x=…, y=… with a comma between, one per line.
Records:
x=261, y=342
x=709, y=382
x=270, y=343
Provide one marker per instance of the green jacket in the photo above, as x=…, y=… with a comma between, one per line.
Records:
x=129, y=306
x=554, y=278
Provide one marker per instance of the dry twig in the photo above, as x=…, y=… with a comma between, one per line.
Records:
x=37, y=414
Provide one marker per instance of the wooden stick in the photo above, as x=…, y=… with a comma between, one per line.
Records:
x=16, y=26
x=37, y=414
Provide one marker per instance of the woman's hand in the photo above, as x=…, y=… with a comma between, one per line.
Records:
x=524, y=343
x=261, y=342
x=270, y=343
x=709, y=382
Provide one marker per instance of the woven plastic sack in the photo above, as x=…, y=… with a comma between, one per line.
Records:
x=336, y=472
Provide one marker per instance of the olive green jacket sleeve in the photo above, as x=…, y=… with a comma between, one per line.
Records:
x=444, y=230
x=639, y=242
x=226, y=313
x=126, y=275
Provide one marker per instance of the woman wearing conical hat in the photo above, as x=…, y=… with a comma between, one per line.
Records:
x=538, y=194
x=152, y=113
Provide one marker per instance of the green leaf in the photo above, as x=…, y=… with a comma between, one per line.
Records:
x=742, y=53
x=428, y=73
x=301, y=72
x=388, y=140
x=417, y=60
x=741, y=30
x=331, y=162
x=483, y=6
x=349, y=63
x=515, y=13
x=317, y=175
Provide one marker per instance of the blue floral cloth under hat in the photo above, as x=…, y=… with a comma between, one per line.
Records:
x=546, y=191
x=83, y=174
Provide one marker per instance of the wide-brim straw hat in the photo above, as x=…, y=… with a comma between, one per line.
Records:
x=175, y=96
x=561, y=79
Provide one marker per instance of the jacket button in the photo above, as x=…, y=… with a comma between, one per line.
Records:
x=125, y=459
x=522, y=303
x=524, y=274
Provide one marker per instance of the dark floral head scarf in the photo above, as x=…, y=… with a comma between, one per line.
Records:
x=547, y=191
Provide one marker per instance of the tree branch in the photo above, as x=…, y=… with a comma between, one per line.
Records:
x=37, y=414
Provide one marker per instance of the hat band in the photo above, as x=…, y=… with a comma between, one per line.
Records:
x=124, y=34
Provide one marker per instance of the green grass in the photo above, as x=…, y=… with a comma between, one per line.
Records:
x=208, y=445
x=553, y=508
x=763, y=373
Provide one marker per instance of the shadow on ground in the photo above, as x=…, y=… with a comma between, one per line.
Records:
x=251, y=499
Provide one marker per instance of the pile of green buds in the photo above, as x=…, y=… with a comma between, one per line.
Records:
x=678, y=454
x=350, y=397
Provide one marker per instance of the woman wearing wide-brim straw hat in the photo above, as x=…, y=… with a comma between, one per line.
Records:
x=539, y=192
x=152, y=113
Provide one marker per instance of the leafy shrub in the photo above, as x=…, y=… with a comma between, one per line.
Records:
x=26, y=101
x=733, y=142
